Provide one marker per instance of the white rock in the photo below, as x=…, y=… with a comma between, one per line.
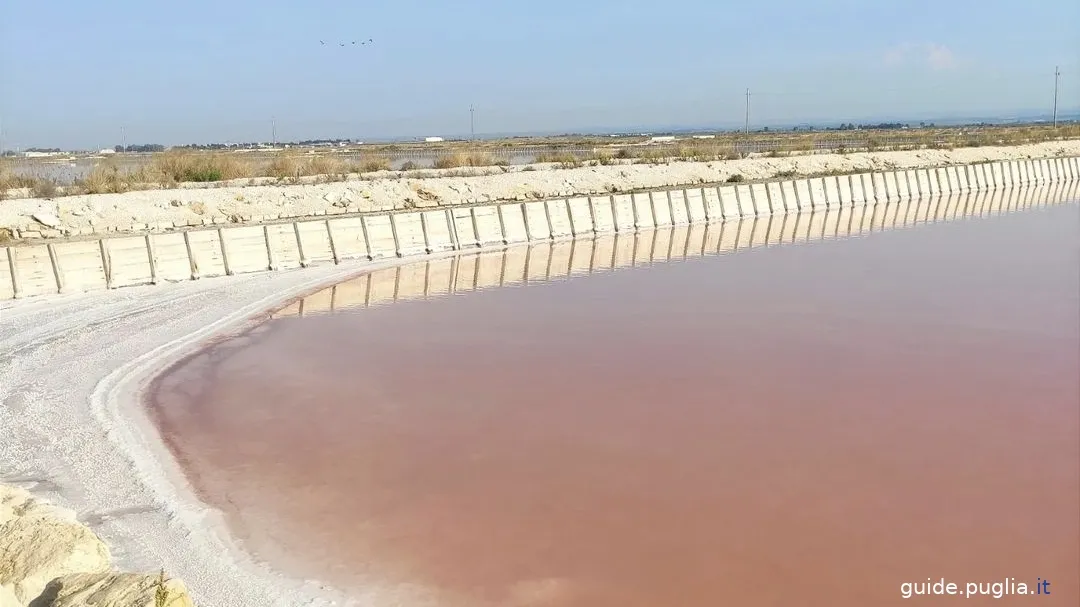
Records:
x=46, y=219
x=114, y=590
x=41, y=542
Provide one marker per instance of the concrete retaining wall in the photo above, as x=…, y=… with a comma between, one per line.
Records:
x=801, y=209
x=612, y=251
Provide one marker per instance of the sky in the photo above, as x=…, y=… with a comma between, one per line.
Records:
x=77, y=74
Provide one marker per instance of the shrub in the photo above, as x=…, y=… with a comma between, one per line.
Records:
x=736, y=178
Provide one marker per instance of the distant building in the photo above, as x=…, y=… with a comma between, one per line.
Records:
x=663, y=139
x=41, y=154
x=704, y=136
x=107, y=152
x=433, y=139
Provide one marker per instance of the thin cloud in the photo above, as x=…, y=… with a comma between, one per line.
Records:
x=929, y=54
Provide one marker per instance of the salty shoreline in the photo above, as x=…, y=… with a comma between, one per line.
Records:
x=101, y=349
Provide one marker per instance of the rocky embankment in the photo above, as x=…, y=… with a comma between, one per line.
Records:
x=238, y=202
x=49, y=559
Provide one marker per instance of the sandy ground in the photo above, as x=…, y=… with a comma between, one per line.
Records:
x=166, y=209
x=73, y=431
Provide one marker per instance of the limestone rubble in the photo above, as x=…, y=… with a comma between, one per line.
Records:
x=49, y=559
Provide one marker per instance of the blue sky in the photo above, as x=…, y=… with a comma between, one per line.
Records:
x=72, y=73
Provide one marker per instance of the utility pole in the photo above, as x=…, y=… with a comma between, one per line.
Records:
x=472, y=122
x=1057, y=75
x=273, y=132
x=746, y=125
x=123, y=139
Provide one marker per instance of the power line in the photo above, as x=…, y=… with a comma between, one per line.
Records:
x=1057, y=75
x=746, y=125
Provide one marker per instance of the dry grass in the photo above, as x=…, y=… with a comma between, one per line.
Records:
x=169, y=169
x=468, y=159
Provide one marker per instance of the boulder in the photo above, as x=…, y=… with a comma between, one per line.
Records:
x=40, y=542
x=114, y=590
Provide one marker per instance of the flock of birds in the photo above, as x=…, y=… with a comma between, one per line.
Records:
x=360, y=42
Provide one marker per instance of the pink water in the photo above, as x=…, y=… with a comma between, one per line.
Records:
x=802, y=425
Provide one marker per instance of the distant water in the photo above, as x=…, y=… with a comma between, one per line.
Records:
x=789, y=426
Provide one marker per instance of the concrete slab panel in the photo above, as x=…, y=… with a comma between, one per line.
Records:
x=818, y=196
x=729, y=202
x=7, y=286
x=437, y=227
x=283, y=245
x=695, y=205
x=536, y=221
x=80, y=265
x=488, y=225
x=986, y=176
x=171, y=259
x=923, y=181
x=661, y=208
x=676, y=199
x=974, y=184
x=246, y=249
x=580, y=216
x=845, y=187
x=746, y=201
x=410, y=233
x=1050, y=167
x=939, y=182
x=603, y=213
x=312, y=235
x=802, y=195
x=381, y=235
x=129, y=264
x=512, y=218
x=789, y=196
x=559, y=216
x=347, y=233
x=464, y=228
x=895, y=186
x=712, y=204
x=759, y=197
x=33, y=267
x=1012, y=174
x=953, y=173
x=832, y=191
x=625, y=215
x=880, y=188
x=644, y=215
x=776, y=197
x=1074, y=168
x=858, y=190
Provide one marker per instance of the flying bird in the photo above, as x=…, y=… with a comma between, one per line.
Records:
x=322, y=43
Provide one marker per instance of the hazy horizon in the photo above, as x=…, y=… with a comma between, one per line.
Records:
x=85, y=76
